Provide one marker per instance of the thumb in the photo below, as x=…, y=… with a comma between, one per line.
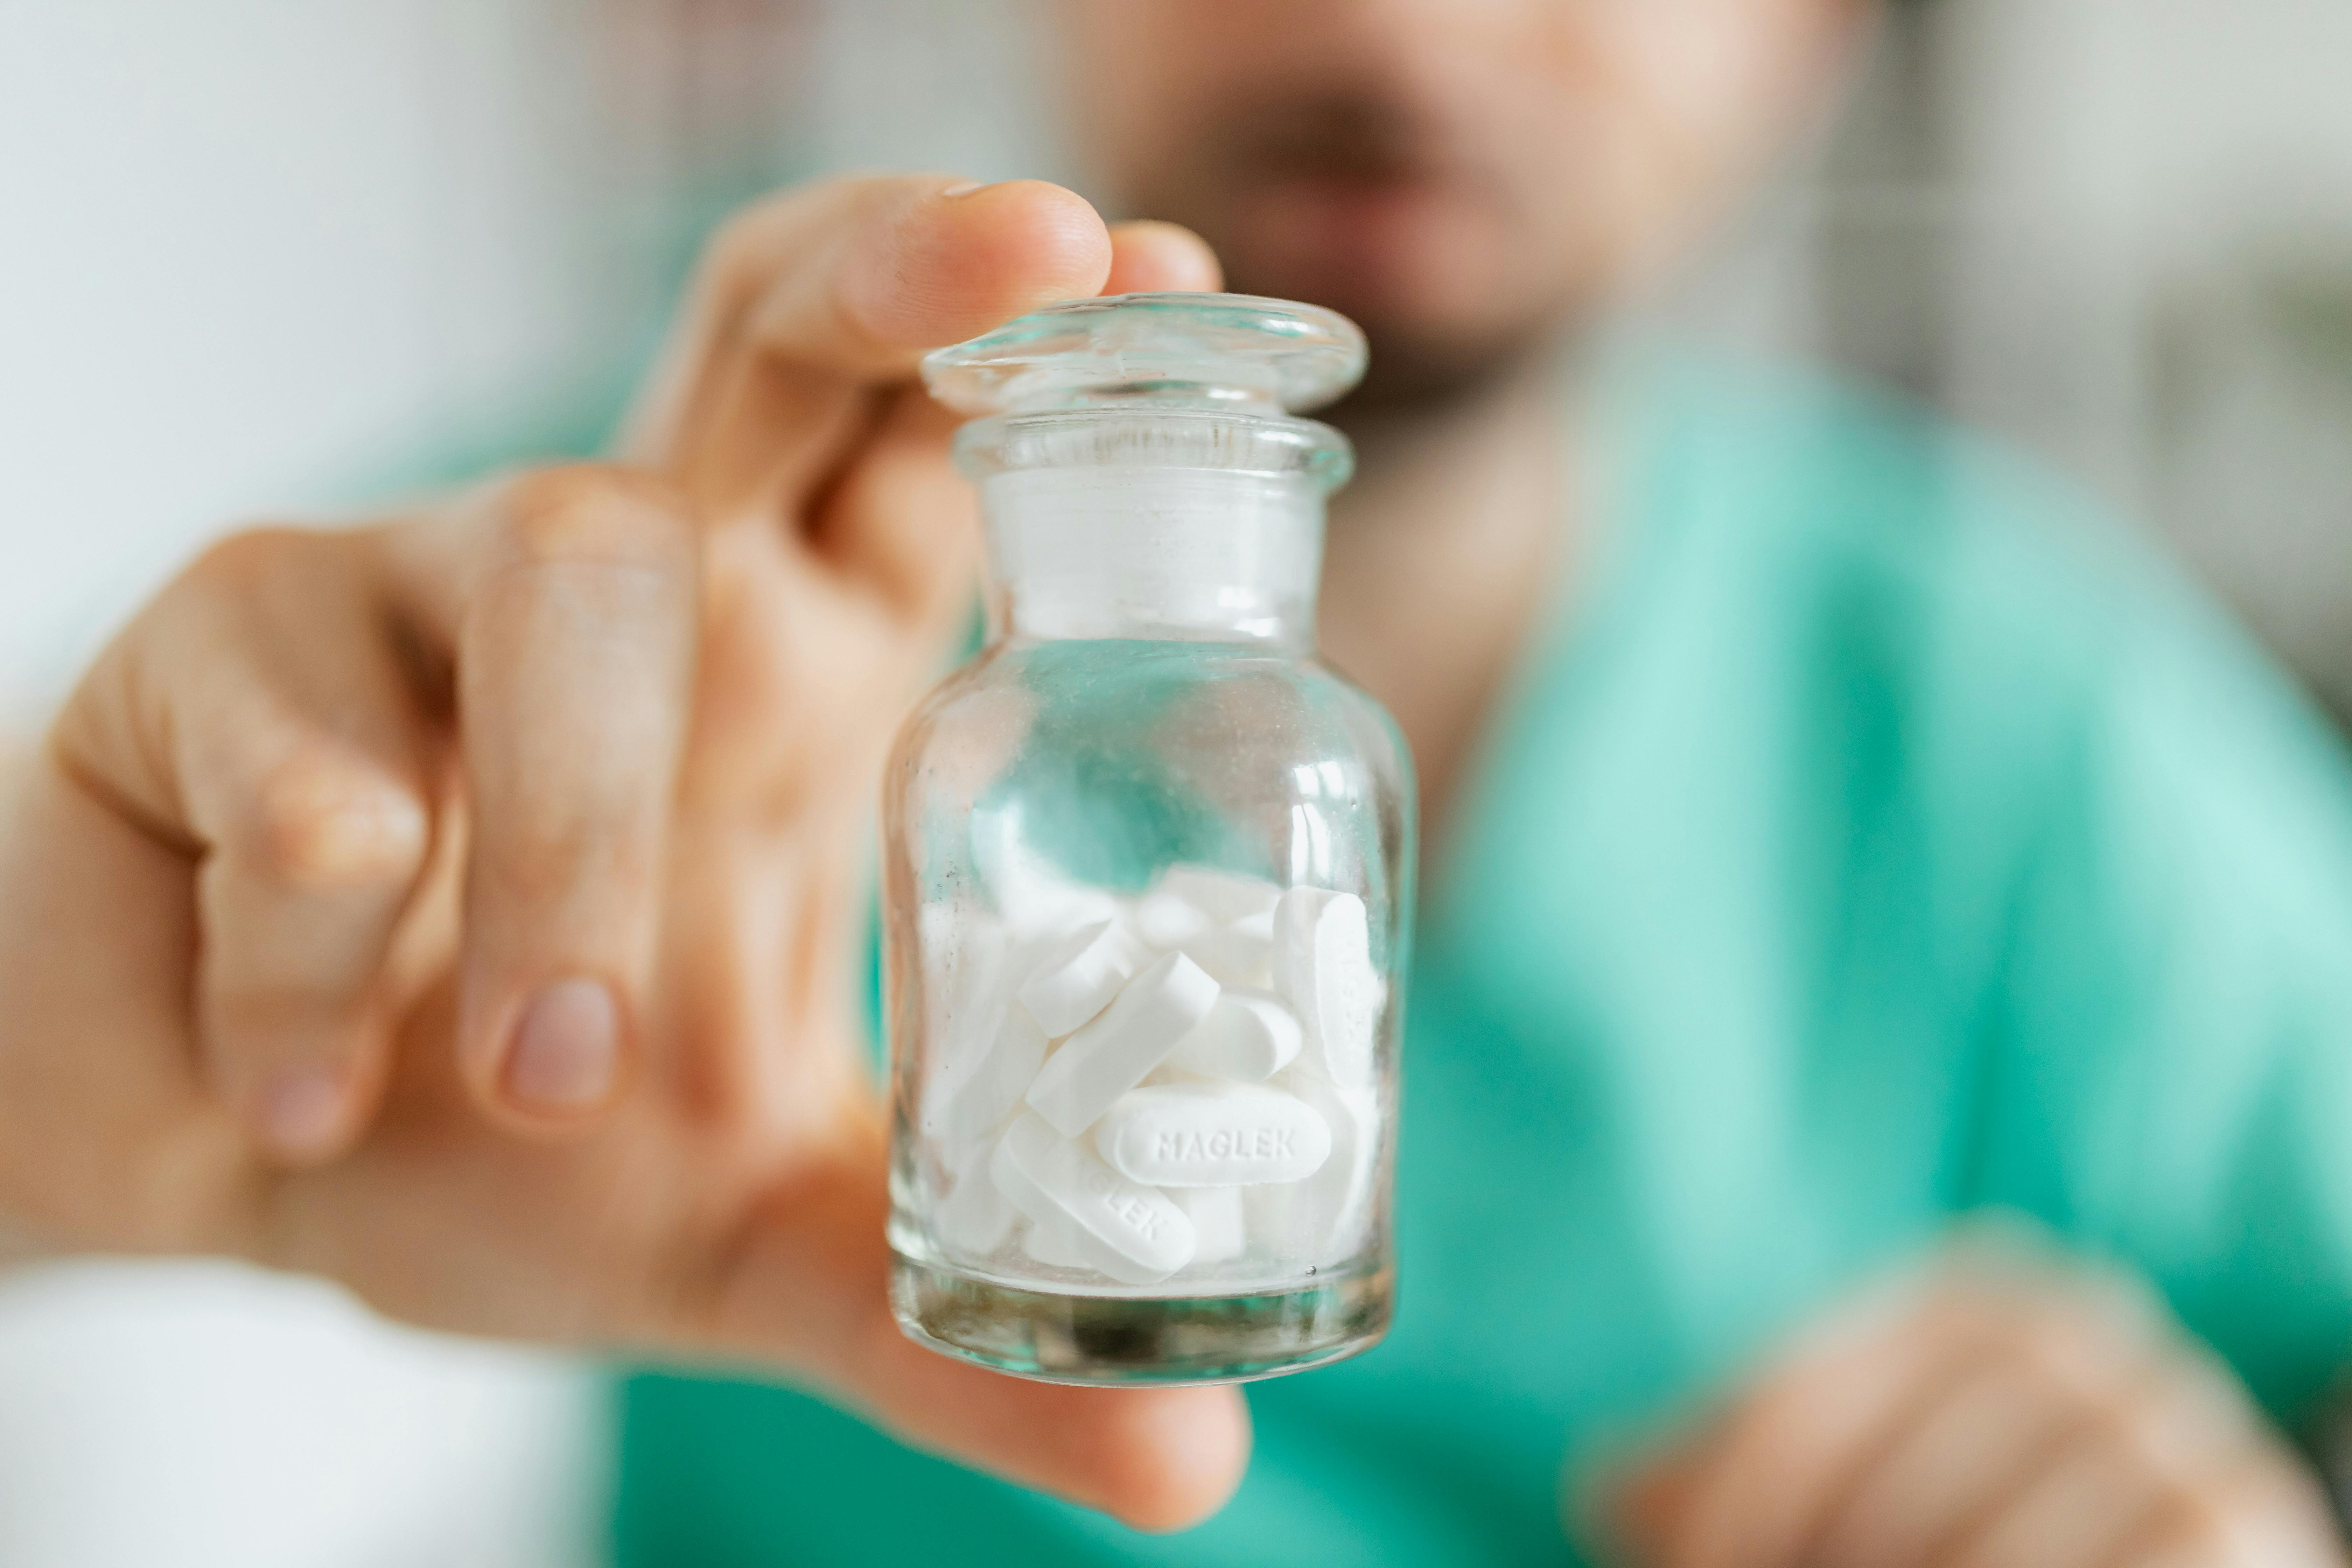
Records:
x=901, y=517
x=1157, y=1459
x=808, y=1284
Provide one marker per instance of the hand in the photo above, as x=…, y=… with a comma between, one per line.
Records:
x=466, y=907
x=1993, y=1410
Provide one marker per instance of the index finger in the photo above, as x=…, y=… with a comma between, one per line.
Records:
x=806, y=303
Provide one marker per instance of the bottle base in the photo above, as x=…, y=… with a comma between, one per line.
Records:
x=1131, y=1342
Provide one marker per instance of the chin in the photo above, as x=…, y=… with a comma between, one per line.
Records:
x=1412, y=369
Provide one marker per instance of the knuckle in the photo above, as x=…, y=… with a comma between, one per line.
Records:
x=742, y=254
x=252, y=569
x=735, y=258
x=316, y=821
x=593, y=513
x=536, y=864
x=247, y=556
x=113, y=732
x=237, y=572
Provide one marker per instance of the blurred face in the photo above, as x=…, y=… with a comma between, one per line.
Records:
x=1461, y=177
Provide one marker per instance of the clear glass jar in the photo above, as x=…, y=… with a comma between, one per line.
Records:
x=1148, y=872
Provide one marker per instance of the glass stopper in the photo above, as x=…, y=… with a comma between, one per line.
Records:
x=1185, y=350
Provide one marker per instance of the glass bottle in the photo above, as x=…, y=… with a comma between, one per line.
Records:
x=1148, y=872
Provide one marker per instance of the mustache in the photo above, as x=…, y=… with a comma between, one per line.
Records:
x=1352, y=136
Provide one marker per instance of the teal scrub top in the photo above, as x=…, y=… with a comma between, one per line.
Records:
x=1871, y=839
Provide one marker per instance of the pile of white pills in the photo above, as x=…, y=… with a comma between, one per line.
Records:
x=1181, y=1079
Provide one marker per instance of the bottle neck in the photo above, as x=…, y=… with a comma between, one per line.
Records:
x=1142, y=551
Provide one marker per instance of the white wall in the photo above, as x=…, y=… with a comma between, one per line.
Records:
x=2119, y=234
x=2165, y=217
x=249, y=246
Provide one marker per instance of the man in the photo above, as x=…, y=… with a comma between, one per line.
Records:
x=1828, y=839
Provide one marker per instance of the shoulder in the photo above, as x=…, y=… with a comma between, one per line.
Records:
x=1973, y=578
x=2043, y=687
x=1831, y=487
x=1927, y=619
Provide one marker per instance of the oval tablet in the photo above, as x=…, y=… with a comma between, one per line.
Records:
x=1080, y=977
x=1241, y=953
x=1323, y=967
x=1248, y=1035
x=1055, y=1236
x=1221, y=896
x=971, y=1090
x=1212, y=1135
x=1143, y=1237
x=1164, y=920
x=974, y=1219
x=1128, y=1039
x=1323, y=1219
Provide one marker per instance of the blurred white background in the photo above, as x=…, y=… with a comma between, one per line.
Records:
x=259, y=256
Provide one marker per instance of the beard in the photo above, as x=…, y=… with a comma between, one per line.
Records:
x=1351, y=200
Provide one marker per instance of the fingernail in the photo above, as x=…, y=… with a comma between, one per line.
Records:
x=302, y=1111
x=966, y=188
x=567, y=1048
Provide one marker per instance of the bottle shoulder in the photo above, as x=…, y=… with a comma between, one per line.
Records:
x=1102, y=698
x=1119, y=679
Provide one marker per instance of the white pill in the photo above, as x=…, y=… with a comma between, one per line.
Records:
x=964, y=972
x=1248, y=1034
x=1077, y=978
x=1164, y=919
x=975, y=1086
x=1322, y=1220
x=1147, y=1237
x=1241, y=953
x=983, y=965
x=1212, y=1135
x=1223, y=896
x=1132, y=1036
x=1056, y=1245
x=1219, y=1230
x=1323, y=967
x=1055, y=1236
x=975, y=1216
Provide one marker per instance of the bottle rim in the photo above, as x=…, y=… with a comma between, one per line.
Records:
x=1158, y=351
x=1236, y=440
